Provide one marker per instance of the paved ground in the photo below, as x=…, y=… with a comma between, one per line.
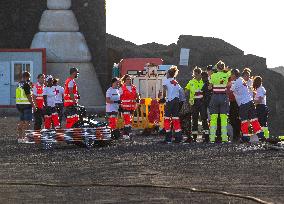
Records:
x=247, y=170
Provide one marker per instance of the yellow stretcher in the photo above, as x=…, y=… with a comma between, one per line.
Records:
x=141, y=116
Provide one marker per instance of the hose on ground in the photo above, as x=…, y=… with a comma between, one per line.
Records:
x=194, y=190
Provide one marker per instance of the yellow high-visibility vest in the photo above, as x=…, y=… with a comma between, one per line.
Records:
x=21, y=97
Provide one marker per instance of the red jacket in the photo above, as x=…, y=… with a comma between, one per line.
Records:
x=128, y=99
x=39, y=95
x=67, y=98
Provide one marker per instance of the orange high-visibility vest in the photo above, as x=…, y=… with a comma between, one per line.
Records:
x=39, y=95
x=67, y=98
x=128, y=99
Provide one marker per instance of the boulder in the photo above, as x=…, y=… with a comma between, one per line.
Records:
x=63, y=46
x=58, y=21
x=59, y=4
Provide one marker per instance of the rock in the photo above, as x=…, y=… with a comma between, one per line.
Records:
x=58, y=21
x=88, y=84
x=63, y=46
x=59, y=4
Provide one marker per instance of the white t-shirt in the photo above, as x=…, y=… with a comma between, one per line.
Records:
x=261, y=92
x=241, y=91
x=50, y=93
x=114, y=95
x=250, y=88
x=128, y=87
x=173, y=88
x=59, y=91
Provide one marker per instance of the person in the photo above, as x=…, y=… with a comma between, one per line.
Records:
x=234, y=118
x=71, y=98
x=128, y=98
x=246, y=75
x=171, y=95
x=38, y=98
x=197, y=104
x=59, y=90
x=262, y=110
x=246, y=105
x=219, y=103
x=112, y=106
x=51, y=118
x=25, y=105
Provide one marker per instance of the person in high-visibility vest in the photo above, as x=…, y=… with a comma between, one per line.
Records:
x=71, y=97
x=198, y=106
x=112, y=106
x=171, y=94
x=219, y=103
x=25, y=105
x=245, y=101
x=38, y=98
x=128, y=98
x=261, y=107
x=51, y=118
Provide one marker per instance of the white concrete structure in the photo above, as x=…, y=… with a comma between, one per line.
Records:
x=66, y=47
x=59, y=4
x=58, y=20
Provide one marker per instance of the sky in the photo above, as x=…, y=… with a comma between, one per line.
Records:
x=254, y=26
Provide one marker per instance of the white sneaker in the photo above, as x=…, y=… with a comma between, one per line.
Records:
x=126, y=137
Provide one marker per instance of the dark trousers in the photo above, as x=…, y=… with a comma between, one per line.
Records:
x=262, y=114
x=38, y=118
x=199, y=108
x=59, y=108
x=234, y=120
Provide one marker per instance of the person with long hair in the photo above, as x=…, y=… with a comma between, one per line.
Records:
x=128, y=98
x=171, y=94
x=261, y=107
x=219, y=103
x=112, y=106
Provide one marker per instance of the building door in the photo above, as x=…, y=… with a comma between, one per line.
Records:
x=5, y=85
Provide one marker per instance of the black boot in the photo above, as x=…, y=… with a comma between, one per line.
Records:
x=115, y=134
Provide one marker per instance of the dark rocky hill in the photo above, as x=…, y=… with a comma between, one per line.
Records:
x=204, y=51
x=279, y=70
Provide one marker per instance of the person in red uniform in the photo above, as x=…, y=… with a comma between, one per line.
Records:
x=71, y=97
x=128, y=98
x=38, y=98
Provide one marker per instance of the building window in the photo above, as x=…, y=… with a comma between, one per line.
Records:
x=18, y=68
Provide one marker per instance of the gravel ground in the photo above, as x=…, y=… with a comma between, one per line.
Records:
x=240, y=169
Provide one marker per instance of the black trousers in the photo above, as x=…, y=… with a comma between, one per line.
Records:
x=59, y=108
x=199, y=108
x=234, y=120
x=38, y=118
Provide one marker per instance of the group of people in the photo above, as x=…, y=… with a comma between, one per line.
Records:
x=217, y=95
x=44, y=101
